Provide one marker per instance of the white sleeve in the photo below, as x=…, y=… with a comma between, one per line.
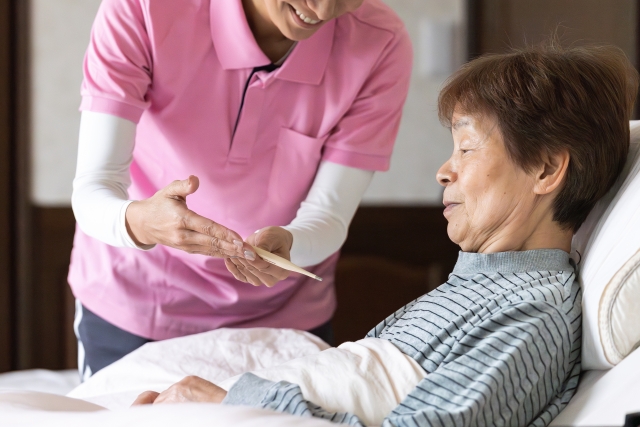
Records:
x=321, y=224
x=100, y=197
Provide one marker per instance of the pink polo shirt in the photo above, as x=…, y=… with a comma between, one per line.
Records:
x=178, y=69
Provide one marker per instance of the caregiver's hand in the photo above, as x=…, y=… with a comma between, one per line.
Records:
x=165, y=219
x=258, y=272
x=189, y=389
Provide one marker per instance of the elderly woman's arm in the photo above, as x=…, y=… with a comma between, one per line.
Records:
x=505, y=370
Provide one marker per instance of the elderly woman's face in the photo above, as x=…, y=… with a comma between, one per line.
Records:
x=486, y=196
x=300, y=19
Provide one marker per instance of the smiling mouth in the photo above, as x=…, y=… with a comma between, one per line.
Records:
x=304, y=19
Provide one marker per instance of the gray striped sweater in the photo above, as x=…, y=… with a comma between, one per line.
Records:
x=499, y=341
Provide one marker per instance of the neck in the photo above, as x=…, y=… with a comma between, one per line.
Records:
x=269, y=38
x=537, y=232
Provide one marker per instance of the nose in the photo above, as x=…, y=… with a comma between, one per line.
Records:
x=445, y=174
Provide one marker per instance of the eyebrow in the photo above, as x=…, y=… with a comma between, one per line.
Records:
x=460, y=123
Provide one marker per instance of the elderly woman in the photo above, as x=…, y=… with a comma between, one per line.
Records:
x=539, y=136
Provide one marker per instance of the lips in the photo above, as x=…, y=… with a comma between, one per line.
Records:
x=303, y=19
x=449, y=206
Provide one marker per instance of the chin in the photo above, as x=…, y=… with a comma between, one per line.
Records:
x=453, y=236
x=458, y=237
x=298, y=37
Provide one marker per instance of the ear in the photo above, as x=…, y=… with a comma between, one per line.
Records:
x=552, y=172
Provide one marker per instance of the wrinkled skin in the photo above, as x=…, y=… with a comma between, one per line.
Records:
x=189, y=389
x=492, y=204
x=258, y=272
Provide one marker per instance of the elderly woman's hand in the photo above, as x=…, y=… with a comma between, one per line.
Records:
x=165, y=219
x=276, y=240
x=189, y=389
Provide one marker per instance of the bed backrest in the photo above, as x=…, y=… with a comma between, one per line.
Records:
x=608, y=244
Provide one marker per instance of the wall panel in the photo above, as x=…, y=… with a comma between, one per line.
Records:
x=512, y=23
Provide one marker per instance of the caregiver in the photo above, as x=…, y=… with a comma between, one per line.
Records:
x=276, y=112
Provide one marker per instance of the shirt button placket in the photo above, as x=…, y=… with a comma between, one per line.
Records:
x=247, y=128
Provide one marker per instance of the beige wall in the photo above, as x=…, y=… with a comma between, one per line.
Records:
x=60, y=33
x=59, y=37
x=423, y=144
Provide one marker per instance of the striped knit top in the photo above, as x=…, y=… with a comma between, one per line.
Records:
x=499, y=341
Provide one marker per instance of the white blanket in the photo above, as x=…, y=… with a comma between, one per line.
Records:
x=215, y=356
x=369, y=377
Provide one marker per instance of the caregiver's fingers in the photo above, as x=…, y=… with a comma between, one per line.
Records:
x=145, y=398
x=249, y=277
x=234, y=270
x=268, y=275
x=263, y=267
x=198, y=243
x=276, y=240
x=216, y=236
x=165, y=219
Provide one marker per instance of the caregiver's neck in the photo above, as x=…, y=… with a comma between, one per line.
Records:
x=267, y=35
x=537, y=231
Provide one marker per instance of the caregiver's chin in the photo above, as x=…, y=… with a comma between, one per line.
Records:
x=491, y=203
x=299, y=19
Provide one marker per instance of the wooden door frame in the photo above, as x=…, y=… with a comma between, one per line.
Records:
x=6, y=173
x=24, y=337
x=15, y=217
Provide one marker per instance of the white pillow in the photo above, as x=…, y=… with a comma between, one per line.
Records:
x=608, y=270
x=619, y=315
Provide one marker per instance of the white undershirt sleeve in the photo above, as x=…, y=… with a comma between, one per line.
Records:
x=100, y=198
x=321, y=224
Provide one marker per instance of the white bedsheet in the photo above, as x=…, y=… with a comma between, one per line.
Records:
x=604, y=397
x=43, y=380
x=191, y=415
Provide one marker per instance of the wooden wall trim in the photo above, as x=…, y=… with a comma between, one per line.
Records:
x=393, y=255
x=6, y=217
x=51, y=319
x=25, y=333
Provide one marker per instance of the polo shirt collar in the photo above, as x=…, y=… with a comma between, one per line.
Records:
x=310, y=57
x=236, y=47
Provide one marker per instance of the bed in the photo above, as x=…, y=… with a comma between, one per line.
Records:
x=607, y=249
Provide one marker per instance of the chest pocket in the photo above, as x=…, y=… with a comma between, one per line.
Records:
x=294, y=166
